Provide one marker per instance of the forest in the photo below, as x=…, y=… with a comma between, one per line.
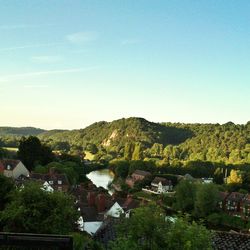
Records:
x=139, y=139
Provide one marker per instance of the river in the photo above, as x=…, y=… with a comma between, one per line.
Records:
x=101, y=178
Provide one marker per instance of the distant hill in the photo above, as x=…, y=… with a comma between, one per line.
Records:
x=119, y=132
x=22, y=131
x=214, y=142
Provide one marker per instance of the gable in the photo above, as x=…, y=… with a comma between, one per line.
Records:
x=115, y=211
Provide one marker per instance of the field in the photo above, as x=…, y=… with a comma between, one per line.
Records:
x=11, y=149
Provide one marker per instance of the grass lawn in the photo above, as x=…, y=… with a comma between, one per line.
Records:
x=89, y=156
x=11, y=149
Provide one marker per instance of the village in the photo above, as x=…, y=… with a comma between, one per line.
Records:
x=99, y=211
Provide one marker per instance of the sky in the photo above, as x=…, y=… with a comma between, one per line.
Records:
x=67, y=64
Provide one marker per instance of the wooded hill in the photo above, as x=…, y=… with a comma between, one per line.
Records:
x=23, y=131
x=137, y=138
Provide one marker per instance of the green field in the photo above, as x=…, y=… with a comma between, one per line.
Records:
x=11, y=149
x=89, y=156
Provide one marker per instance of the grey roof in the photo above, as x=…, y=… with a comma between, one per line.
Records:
x=107, y=231
x=163, y=181
x=141, y=172
x=231, y=241
x=235, y=196
x=47, y=177
x=9, y=163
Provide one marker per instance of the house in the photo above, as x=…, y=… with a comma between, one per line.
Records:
x=222, y=200
x=58, y=182
x=206, y=180
x=138, y=175
x=161, y=185
x=47, y=187
x=233, y=202
x=245, y=206
x=13, y=168
x=115, y=211
x=186, y=177
x=122, y=206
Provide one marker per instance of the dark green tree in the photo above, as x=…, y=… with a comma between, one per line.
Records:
x=33, y=210
x=185, y=196
x=148, y=229
x=207, y=197
x=6, y=186
x=32, y=152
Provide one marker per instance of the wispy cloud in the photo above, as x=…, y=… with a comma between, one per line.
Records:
x=14, y=77
x=130, y=41
x=82, y=37
x=46, y=59
x=30, y=46
x=22, y=26
x=36, y=86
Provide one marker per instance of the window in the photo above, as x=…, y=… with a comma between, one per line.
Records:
x=59, y=182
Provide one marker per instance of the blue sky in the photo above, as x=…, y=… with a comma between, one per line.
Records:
x=67, y=64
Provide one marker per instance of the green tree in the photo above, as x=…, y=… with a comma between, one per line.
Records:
x=2, y=153
x=33, y=210
x=146, y=225
x=235, y=177
x=183, y=235
x=137, y=154
x=32, y=152
x=148, y=229
x=6, y=186
x=92, y=148
x=207, y=197
x=185, y=196
x=128, y=151
x=121, y=168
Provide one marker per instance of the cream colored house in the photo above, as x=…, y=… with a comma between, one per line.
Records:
x=13, y=168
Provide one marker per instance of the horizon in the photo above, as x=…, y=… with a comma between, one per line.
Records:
x=159, y=122
x=67, y=65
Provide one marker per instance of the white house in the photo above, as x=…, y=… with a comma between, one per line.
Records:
x=115, y=211
x=13, y=168
x=206, y=180
x=46, y=187
x=162, y=185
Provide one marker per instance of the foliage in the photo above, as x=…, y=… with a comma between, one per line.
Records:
x=206, y=199
x=147, y=229
x=227, y=220
x=6, y=186
x=33, y=210
x=3, y=153
x=120, y=167
x=183, y=235
x=83, y=241
x=235, y=177
x=185, y=196
x=137, y=138
x=32, y=152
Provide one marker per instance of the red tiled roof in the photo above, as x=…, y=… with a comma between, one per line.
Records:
x=163, y=181
x=141, y=172
x=9, y=163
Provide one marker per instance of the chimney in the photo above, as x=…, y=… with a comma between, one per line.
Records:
x=91, y=199
x=129, y=198
x=101, y=202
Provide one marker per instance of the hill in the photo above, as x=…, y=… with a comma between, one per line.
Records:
x=138, y=138
x=118, y=133
x=23, y=131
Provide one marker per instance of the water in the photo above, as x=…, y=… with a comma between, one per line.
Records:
x=101, y=178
